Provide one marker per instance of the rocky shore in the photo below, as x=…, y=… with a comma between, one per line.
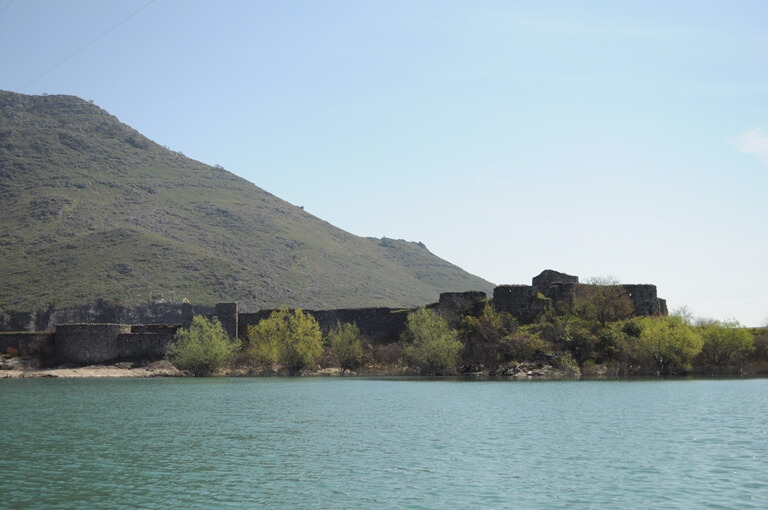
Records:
x=117, y=370
x=17, y=369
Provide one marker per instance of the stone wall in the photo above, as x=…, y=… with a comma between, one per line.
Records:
x=102, y=312
x=526, y=302
x=378, y=325
x=40, y=344
x=548, y=277
x=645, y=300
x=521, y=301
x=158, y=329
x=227, y=315
x=453, y=306
x=89, y=343
x=143, y=346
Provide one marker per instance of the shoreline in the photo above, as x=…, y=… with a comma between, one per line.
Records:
x=164, y=368
x=113, y=371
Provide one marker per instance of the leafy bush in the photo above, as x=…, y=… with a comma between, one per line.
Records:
x=526, y=346
x=602, y=300
x=485, y=336
x=203, y=348
x=263, y=340
x=345, y=347
x=665, y=345
x=433, y=346
x=388, y=355
x=725, y=344
x=760, y=355
x=291, y=338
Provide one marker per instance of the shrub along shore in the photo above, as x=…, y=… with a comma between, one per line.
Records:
x=587, y=339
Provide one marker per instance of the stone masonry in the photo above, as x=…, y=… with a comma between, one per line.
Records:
x=90, y=343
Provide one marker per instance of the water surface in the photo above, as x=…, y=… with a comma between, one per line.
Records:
x=383, y=443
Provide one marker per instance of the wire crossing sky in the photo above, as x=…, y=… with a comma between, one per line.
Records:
x=81, y=49
x=595, y=138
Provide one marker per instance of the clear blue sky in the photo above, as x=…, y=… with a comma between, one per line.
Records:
x=594, y=137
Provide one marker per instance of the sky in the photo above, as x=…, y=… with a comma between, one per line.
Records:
x=596, y=138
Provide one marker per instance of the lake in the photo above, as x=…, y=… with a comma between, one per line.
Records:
x=383, y=443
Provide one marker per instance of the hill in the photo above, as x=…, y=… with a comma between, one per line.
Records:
x=91, y=209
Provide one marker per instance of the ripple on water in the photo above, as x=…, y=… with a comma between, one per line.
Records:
x=309, y=443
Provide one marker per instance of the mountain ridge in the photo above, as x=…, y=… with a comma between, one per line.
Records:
x=93, y=210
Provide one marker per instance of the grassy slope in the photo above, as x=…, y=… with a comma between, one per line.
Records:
x=92, y=209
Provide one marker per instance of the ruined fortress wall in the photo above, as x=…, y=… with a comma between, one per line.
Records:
x=521, y=301
x=246, y=319
x=102, y=312
x=548, y=277
x=39, y=344
x=562, y=292
x=645, y=300
x=228, y=316
x=17, y=321
x=455, y=305
x=511, y=298
x=88, y=343
x=379, y=325
x=158, y=329
x=143, y=346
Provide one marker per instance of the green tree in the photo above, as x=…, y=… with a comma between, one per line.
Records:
x=203, y=348
x=665, y=345
x=345, y=347
x=725, y=344
x=603, y=300
x=433, y=346
x=582, y=341
x=263, y=340
x=485, y=338
x=760, y=341
x=291, y=338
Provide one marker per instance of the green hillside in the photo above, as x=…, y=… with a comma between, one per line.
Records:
x=91, y=209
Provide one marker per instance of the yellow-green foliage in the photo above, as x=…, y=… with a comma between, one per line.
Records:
x=433, y=346
x=203, y=348
x=665, y=344
x=725, y=343
x=345, y=346
x=262, y=341
x=291, y=338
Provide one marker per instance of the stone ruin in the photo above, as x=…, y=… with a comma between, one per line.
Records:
x=91, y=343
x=526, y=302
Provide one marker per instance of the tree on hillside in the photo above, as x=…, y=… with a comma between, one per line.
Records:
x=345, y=347
x=725, y=344
x=291, y=338
x=203, y=348
x=602, y=299
x=665, y=345
x=433, y=346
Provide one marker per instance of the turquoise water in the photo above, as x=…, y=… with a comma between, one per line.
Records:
x=382, y=443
